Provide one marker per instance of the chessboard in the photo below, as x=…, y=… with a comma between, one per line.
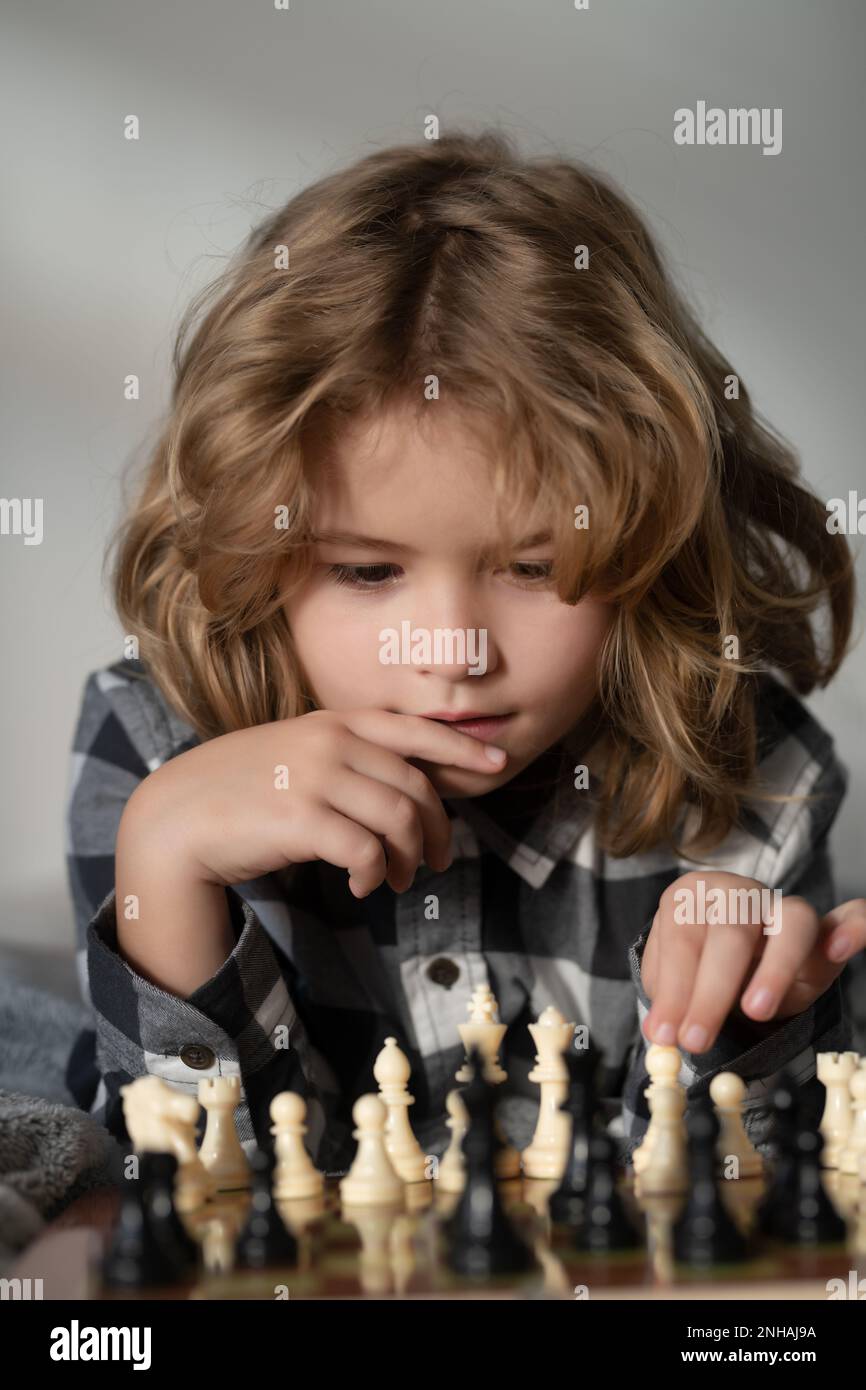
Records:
x=698, y=1212
x=400, y=1253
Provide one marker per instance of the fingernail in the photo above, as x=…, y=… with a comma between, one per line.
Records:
x=665, y=1034
x=761, y=1002
x=840, y=948
x=695, y=1039
x=496, y=755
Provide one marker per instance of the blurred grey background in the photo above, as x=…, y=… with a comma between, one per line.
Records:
x=105, y=240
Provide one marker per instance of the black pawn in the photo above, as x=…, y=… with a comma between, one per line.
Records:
x=481, y=1240
x=604, y=1226
x=139, y=1257
x=566, y=1203
x=265, y=1239
x=158, y=1173
x=773, y=1215
x=705, y=1233
x=811, y=1218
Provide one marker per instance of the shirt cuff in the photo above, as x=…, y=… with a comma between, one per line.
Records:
x=230, y=1025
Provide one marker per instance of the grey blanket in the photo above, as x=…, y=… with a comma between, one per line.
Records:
x=50, y=1151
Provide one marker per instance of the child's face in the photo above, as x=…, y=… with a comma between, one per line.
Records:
x=425, y=496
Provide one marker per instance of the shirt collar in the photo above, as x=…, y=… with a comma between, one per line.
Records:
x=559, y=811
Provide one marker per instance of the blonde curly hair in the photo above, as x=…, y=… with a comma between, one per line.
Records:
x=455, y=259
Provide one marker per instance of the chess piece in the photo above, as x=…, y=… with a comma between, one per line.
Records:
x=771, y=1217
x=666, y=1170
x=161, y=1119
x=295, y=1176
x=452, y=1169
x=811, y=1219
x=481, y=1241
x=547, y=1154
x=403, y=1260
x=566, y=1203
x=149, y=1248
x=392, y=1071
x=158, y=1174
x=265, y=1240
x=375, y=1263
x=603, y=1226
x=372, y=1179
x=727, y=1090
x=484, y=1031
x=663, y=1068
x=218, y=1247
x=221, y=1151
x=797, y=1209
x=853, y=1148
x=835, y=1070
x=705, y=1234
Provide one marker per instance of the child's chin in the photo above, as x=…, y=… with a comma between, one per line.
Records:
x=461, y=782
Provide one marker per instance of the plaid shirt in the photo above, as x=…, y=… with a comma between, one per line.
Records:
x=530, y=905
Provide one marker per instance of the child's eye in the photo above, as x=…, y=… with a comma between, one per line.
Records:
x=532, y=571
x=362, y=576
x=377, y=576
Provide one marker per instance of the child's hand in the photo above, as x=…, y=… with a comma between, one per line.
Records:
x=219, y=815
x=694, y=973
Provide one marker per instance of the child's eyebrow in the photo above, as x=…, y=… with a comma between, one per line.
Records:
x=377, y=543
x=353, y=538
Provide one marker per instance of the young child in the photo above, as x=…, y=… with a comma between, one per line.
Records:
x=468, y=600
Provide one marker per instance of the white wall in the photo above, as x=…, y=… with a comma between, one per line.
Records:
x=104, y=241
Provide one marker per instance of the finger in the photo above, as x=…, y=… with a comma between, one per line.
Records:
x=389, y=768
x=341, y=841
x=414, y=737
x=678, y=951
x=844, y=930
x=726, y=958
x=783, y=956
x=387, y=812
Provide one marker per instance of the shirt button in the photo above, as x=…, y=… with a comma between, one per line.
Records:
x=196, y=1056
x=443, y=971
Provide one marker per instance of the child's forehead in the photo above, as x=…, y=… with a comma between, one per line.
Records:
x=382, y=438
x=414, y=476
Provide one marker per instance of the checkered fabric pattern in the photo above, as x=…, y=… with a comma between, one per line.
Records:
x=530, y=905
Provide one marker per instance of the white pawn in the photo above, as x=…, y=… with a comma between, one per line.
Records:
x=727, y=1091
x=835, y=1070
x=855, y=1148
x=221, y=1151
x=452, y=1169
x=371, y=1180
x=663, y=1068
x=392, y=1071
x=667, y=1170
x=295, y=1175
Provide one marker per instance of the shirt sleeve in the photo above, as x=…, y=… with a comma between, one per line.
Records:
x=107, y=764
x=242, y=1022
x=797, y=861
